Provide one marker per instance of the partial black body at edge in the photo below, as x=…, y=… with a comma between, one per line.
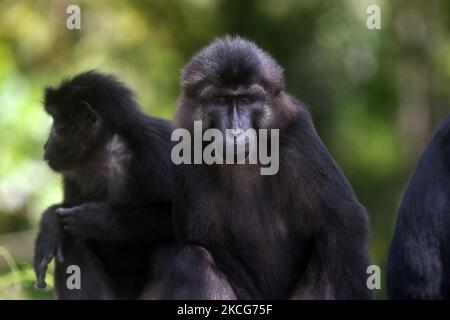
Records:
x=419, y=258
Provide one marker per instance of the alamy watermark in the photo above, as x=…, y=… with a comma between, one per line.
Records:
x=373, y=21
x=73, y=20
x=74, y=279
x=374, y=278
x=237, y=147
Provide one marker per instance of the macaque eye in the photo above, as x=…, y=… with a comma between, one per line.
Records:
x=245, y=100
x=220, y=100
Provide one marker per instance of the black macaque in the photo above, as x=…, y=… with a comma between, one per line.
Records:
x=298, y=234
x=118, y=189
x=419, y=258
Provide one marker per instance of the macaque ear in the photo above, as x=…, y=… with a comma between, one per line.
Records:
x=89, y=112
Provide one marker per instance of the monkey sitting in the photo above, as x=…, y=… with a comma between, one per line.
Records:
x=118, y=189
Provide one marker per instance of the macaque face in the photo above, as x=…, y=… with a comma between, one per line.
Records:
x=73, y=135
x=233, y=111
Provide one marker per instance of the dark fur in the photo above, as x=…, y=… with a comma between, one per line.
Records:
x=419, y=259
x=107, y=227
x=300, y=233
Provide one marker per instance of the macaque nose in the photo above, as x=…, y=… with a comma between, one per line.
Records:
x=235, y=120
x=239, y=122
x=45, y=145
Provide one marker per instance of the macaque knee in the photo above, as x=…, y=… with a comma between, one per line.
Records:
x=189, y=273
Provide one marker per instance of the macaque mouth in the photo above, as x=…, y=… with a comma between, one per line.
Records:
x=53, y=164
x=236, y=132
x=238, y=143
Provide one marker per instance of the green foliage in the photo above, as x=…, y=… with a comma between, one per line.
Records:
x=17, y=281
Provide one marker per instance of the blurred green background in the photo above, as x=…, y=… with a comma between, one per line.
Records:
x=375, y=95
